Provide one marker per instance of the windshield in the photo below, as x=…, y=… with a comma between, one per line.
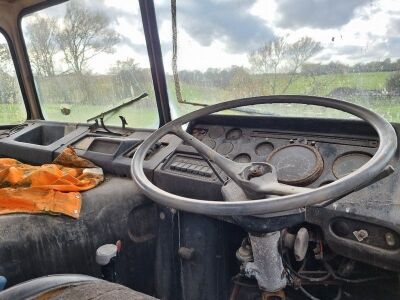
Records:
x=12, y=108
x=345, y=49
x=88, y=57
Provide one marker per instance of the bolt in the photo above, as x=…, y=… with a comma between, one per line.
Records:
x=186, y=253
x=162, y=216
x=390, y=239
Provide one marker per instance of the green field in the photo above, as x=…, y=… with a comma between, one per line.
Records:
x=143, y=118
x=147, y=116
x=322, y=85
x=12, y=113
x=136, y=117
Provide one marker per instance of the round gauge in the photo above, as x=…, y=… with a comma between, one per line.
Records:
x=297, y=164
x=348, y=163
x=215, y=132
x=242, y=158
x=210, y=143
x=264, y=148
x=234, y=134
x=225, y=148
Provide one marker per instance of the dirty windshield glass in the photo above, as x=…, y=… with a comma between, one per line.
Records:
x=12, y=109
x=345, y=49
x=88, y=57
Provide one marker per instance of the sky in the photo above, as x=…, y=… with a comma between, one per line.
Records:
x=221, y=33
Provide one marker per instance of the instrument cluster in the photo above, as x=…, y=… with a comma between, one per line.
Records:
x=301, y=159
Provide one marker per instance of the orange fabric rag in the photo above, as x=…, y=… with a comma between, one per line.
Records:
x=51, y=188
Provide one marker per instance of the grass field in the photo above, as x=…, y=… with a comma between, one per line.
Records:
x=147, y=117
x=143, y=118
x=12, y=113
x=136, y=117
x=322, y=85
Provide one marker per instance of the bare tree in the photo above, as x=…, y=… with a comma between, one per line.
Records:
x=41, y=33
x=278, y=56
x=85, y=34
x=8, y=87
x=299, y=53
x=127, y=78
x=5, y=57
x=269, y=58
x=128, y=64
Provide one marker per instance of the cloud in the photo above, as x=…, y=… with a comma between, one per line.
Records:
x=317, y=13
x=223, y=20
x=394, y=27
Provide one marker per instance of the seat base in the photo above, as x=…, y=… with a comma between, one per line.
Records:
x=69, y=287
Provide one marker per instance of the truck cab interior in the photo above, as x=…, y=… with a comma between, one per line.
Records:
x=248, y=149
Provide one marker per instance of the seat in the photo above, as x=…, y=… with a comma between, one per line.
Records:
x=71, y=286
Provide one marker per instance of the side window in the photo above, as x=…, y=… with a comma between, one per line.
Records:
x=12, y=108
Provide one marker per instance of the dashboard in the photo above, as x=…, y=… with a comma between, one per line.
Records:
x=301, y=159
x=305, y=152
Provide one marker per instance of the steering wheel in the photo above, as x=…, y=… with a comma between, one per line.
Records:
x=259, y=179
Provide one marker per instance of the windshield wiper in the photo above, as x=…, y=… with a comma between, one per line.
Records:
x=117, y=108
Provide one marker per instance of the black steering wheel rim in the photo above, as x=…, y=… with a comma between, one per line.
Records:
x=334, y=190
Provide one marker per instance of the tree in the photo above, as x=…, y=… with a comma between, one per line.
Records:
x=128, y=64
x=278, y=56
x=269, y=58
x=41, y=33
x=127, y=78
x=8, y=87
x=85, y=34
x=5, y=57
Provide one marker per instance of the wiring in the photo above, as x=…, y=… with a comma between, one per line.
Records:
x=337, y=297
x=347, y=280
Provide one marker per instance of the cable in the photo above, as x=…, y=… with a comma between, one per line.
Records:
x=311, y=279
x=359, y=280
x=337, y=297
x=330, y=272
x=174, y=62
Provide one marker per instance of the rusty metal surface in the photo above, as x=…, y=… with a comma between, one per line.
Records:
x=279, y=295
x=267, y=267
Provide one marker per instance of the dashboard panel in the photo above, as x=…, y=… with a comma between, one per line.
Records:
x=306, y=152
x=301, y=159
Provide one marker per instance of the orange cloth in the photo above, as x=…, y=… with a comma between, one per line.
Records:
x=51, y=188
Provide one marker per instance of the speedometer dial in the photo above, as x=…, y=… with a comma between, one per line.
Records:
x=348, y=163
x=297, y=164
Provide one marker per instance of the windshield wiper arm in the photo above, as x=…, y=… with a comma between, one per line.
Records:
x=117, y=108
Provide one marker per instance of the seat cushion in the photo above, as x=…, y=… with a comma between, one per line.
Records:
x=99, y=290
x=70, y=286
